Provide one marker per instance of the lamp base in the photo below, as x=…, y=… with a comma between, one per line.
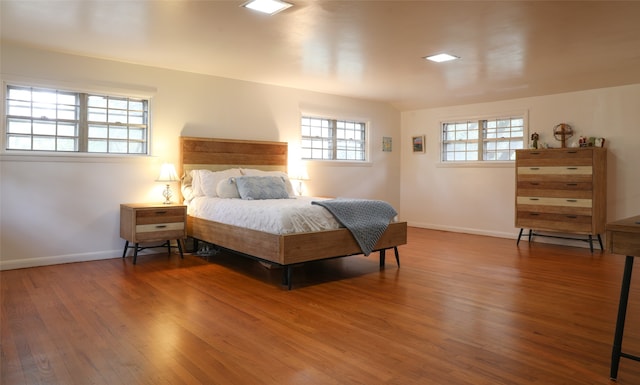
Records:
x=167, y=194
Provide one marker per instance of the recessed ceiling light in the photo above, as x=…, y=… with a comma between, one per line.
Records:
x=441, y=57
x=267, y=6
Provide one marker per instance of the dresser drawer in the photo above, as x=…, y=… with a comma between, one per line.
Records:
x=555, y=178
x=564, y=184
x=554, y=193
x=554, y=222
x=555, y=170
x=547, y=201
x=555, y=157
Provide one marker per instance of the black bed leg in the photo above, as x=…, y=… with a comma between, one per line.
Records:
x=395, y=250
x=382, y=258
x=286, y=277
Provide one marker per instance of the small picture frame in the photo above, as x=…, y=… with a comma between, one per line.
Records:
x=417, y=144
x=386, y=144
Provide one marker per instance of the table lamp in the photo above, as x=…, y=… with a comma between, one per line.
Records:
x=300, y=176
x=167, y=175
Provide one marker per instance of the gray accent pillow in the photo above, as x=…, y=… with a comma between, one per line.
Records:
x=262, y=187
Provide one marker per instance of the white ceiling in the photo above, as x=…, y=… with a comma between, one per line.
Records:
x=363, y=49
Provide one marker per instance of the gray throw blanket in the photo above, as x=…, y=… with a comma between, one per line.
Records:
x=366, y=219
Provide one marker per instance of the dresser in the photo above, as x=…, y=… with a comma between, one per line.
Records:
x=562, y=190
x=146, y=222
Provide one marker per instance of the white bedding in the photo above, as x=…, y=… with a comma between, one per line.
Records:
x=276, y=216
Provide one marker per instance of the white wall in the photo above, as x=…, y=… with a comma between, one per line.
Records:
x=63, y=209
x=481, y=199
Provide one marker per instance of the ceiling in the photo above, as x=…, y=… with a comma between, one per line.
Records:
x=364, y=49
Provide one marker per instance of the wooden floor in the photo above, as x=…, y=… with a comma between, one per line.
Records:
x=462, y=309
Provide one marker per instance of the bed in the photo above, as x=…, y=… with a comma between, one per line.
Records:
x=284, y=250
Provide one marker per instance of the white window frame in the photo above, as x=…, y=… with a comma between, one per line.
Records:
x=82, y=121
x=327, y=140
x=479, y=141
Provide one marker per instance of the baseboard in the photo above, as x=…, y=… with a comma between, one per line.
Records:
x=466, y=230
x=514, y=235
x=68, y=258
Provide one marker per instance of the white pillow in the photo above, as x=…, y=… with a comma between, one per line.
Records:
x=227, y=188
x=187, y=193
x=285, y=177
x=195, y=183
x=209, y=180
x=261, y=187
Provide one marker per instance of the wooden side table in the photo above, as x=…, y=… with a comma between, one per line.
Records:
x=623, y=237
x=147, y=222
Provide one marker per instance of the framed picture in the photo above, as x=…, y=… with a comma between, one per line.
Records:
x=417, y=143
x=386, y=144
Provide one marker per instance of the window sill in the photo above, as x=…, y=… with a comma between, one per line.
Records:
x=70, y=157
x=480, y=164
x=340, y=163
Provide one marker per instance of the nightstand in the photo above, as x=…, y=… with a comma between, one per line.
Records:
x=149, y=222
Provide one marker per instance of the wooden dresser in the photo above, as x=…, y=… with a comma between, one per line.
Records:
x=562, y=190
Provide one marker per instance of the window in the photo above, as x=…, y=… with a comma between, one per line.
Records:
x=494, y=139
x=41, y=119
x=331, y=139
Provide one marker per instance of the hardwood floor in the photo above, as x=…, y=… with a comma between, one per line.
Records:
x=462, y=309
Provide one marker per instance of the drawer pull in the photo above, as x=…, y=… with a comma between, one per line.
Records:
x=534, y=153
x=161, y=226
x=534, y=183
x=534, y=214
x=572, y=184
x=534, y=199
x=534, y=168
x=572, y=168
x=572, y=216
x=161, y=212
x=572, y=200
x=572, y=152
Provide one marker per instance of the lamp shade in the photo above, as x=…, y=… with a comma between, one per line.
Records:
x=300, y=176
x=298, y=172
x=167, y=173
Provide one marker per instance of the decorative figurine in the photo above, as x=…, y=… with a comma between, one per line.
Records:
x=534, y=138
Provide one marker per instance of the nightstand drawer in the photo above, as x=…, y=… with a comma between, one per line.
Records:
x=163, y=215
x=160, y=227
x=152, y=233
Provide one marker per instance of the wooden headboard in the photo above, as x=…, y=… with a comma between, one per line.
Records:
x=220, y=154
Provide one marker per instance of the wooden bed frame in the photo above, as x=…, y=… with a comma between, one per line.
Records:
x=283, y=250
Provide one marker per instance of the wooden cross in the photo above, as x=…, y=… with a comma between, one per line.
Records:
x=564, y=132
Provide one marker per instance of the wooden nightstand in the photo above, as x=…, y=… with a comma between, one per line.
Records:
x=149, y=222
